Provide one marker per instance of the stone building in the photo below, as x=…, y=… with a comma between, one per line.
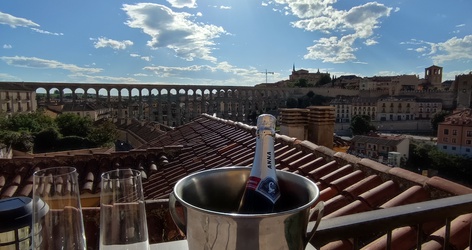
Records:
x=433, y=75
x=378, y=147
x=311, y=78
x=396, y=108
x=463, y=86
x=15, y=98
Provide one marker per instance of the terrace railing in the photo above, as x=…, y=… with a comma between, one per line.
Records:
x=355, y=227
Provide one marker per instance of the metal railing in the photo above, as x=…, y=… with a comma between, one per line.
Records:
x=357, y=226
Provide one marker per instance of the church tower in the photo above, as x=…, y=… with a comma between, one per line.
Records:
x=433, y=75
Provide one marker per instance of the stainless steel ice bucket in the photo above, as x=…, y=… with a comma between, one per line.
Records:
x=209, y=201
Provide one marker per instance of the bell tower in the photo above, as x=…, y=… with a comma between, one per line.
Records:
x=433, y=75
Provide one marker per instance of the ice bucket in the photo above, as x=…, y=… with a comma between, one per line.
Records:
x=208, y=202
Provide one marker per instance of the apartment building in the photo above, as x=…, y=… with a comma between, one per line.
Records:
x=364, y=106
x=455, y=133
x=343, y=108
x=16, y=99
x=386, y=108
x=396, y=108
x=92, y=110
x=378, y=147
x=427, y=107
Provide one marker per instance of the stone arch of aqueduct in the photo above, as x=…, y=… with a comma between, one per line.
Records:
x=172, y=104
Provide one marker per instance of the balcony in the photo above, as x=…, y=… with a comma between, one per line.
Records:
x=395, y=221
x=400, y=227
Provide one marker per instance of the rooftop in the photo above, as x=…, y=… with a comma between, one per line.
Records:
x=348, y=184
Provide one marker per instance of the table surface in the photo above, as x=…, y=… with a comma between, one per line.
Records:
x=182, y=245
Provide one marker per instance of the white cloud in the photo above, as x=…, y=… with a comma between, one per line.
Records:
x=103, y=42
x=173, y=30
x=225, y=7
x=34, y=62
x=94, y=78
x=453, y=49
x=333, y=50
x=460, y=25
x=233, y=72
x=183, y=3
x=7, y=46
x=47, y=32
x=8, y=77
x=14, y=22
x=145, y=58
x=343, y=27
x=370, y=42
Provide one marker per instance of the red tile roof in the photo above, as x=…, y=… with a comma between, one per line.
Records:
x=348, y=184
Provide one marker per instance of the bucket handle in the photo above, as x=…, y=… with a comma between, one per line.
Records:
x=179, y=222
x=318, y=210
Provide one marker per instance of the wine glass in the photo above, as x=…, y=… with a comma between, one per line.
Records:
x=123, y=222
x=57, y=212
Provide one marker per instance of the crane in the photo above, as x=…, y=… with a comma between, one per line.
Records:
x=267, y=72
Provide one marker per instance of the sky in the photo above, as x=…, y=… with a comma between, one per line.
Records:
x=229, y=42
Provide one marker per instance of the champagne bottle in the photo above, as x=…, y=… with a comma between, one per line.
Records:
x=262, y=189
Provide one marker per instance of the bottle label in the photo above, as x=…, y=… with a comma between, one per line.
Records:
x=269, y=188
x=252, y=182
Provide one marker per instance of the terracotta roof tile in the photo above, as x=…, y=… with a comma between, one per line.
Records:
x=323, y=170
x=351, y=208
x=362, y=186
x=460, y=233
x=349, y=179
x=336, y=203
x=412, y=195
x=348, y=184
x=311, y=165
x=378, y=195
x=338, y=245
x=336, y=174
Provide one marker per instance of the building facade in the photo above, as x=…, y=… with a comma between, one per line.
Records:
x=343, y=109
x=378, y=147
x=396, y=108
x=455, y=133
x=463, y=86
x=17, y=99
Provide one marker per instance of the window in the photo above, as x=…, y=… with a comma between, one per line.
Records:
x=453, y=140
x=468, y=142
x=444, y=147
x=454, y=132
x=445, y=139
x=453, y=148
x=467, y=150
x=446, y=131
x=469, y=133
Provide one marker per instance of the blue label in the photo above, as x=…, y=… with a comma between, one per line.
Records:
x=269, y=188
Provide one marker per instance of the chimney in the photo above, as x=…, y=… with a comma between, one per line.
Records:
x=321, y=125
x=294, y=123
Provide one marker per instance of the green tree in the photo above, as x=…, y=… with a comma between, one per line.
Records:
x=325, y=79
x=105, y=133
x=302, y=83
x=361, y=125
x=70, y=124
x=438, y=118
x=31, y=122
x=46, y=139
x=21, y=141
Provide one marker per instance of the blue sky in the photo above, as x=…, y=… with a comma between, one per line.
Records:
x=229, y=42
